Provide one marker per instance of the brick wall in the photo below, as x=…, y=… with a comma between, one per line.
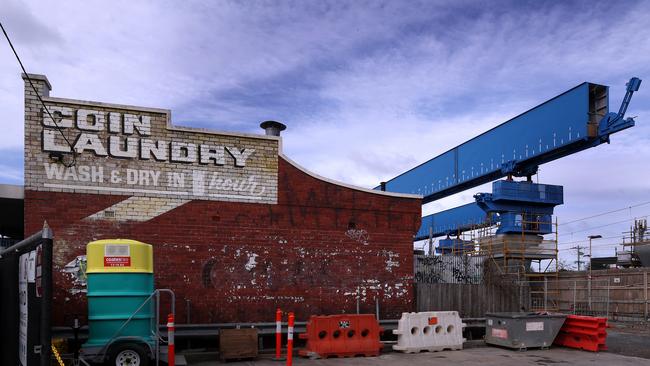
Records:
x=311, y=253
x=312, y=247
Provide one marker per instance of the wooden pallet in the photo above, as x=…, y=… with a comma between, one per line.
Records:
x=237, y=343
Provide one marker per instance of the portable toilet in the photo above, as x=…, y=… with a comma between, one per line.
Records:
x=120, y=307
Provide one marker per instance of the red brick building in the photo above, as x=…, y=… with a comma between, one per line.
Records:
x=238, y=229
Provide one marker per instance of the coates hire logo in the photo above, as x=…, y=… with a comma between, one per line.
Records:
x=117, y=261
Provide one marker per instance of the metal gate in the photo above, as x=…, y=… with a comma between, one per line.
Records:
x=26, y=306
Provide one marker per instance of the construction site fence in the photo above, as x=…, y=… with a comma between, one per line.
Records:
x=471, y=300
x=468, y=269
x=618, y=294
x=578, y=297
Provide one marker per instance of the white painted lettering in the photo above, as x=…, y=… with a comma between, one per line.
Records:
x=84, y=173
x=70, y=174
x=214, y=153
x=126, y=149
x=87, y=141
x=115, y=176
x=114, y=122
x=133, y=122
x=154, y=176
x=97, y=174
x=183, y=152
x=177, y=180
x=50, y=138
x=131, y=176
x=54, y=171
x=240, y=156
x=157, y=149
x=62, y=116
x=89, y=120
x=143, y=177
x=198, y=182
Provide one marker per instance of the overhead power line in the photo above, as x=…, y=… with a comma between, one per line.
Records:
x=606, y=213
x=587, y=240
x=74, y=154
x=599, y=245
x=605, y=225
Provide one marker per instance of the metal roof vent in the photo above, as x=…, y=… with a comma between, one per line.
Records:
x=273, y=128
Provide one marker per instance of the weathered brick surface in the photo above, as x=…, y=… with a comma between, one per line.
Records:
x=313, y=251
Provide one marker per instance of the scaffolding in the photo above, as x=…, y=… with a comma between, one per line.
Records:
x=526, y=259
x=636, y=249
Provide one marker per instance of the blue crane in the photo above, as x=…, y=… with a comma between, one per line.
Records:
x=573, y=121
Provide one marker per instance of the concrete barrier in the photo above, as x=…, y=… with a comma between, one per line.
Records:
x=429, y=331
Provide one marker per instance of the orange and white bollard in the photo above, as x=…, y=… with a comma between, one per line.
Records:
x=290, y=340
x=278, y=334
x=171, y=352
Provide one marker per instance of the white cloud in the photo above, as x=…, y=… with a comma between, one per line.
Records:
x=368, y=89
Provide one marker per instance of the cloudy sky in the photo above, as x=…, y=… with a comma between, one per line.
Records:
x=367, y=89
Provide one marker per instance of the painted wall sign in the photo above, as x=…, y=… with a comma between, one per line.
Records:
x=136, y=151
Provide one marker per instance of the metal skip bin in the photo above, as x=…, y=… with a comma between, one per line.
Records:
x=522, y=330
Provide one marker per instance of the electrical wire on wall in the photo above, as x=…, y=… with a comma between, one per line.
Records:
x=60, y=158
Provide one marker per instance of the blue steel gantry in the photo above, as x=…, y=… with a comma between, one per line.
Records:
x=573, y=121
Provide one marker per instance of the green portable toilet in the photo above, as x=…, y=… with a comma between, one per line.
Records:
x=120, y=281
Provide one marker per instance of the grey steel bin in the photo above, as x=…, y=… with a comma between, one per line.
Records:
x=522, y=330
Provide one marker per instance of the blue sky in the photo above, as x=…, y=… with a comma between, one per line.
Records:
x=367, y=89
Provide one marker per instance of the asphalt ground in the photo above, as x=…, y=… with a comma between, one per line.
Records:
x=624, y=349
x=482, y=356
x=629, y=341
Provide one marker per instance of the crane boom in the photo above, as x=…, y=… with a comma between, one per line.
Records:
x=573, y=121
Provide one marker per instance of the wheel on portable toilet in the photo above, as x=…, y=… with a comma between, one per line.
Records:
x=128, y=354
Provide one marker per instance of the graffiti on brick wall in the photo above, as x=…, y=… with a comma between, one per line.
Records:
x=392, y=259
x=76, y=272
x=448, y=269
x=358, y=235
x=258, y=275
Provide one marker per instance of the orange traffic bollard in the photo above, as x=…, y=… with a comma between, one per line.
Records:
x=278, y=335
x=171, y=352
x=290, y=340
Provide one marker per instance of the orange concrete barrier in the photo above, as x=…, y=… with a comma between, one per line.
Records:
x=583, y=332
x=342, y=336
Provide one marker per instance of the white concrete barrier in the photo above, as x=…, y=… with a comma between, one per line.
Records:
x=429, y=331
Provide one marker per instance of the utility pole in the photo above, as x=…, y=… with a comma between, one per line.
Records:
x=591, y=261
x=580, y=254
